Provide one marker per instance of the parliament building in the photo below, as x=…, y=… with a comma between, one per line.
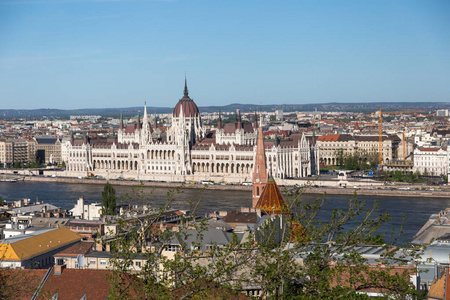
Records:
x=186, y=151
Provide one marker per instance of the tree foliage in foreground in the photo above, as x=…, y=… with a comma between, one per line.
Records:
x=305, y=259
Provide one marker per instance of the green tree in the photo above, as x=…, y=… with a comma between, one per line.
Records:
x=340, y=157
x=291, y=257
x=398, y=176
x=109, y=200
x=1, y=201
x=351, y=162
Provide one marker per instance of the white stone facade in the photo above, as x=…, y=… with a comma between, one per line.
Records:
x=86, y=211
x=184, y=152
x=431, y=161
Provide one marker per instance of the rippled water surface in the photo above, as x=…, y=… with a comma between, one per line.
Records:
x=65, y=195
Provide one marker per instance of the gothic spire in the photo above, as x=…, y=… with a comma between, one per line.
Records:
x=186, y=92
x=121, y=120
x=145, y=112
x=259, y=176
x=239, y=118
x=220, y=124
x=138, y=122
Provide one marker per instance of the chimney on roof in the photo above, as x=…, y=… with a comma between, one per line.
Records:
x=58, y=269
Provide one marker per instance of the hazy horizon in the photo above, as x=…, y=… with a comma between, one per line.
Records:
x=140, y=108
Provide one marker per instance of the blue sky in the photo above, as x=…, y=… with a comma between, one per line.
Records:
x=71, y=54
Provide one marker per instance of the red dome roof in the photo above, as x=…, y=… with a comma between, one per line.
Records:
x=190, y=109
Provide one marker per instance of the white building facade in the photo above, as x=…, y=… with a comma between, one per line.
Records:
x=186, y=151
x=431, y=161
x=85, y=211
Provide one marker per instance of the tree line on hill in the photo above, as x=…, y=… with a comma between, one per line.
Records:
x=131, y=111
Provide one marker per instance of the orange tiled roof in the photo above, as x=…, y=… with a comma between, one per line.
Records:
x=437, y=289
x=328, y=138
x=38, y=244
x=271, y=199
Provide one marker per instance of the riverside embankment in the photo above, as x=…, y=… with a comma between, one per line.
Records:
x=391, y=191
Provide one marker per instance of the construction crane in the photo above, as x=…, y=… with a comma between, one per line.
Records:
x=380, y=131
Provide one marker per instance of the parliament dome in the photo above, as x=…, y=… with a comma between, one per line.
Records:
x=188, y=105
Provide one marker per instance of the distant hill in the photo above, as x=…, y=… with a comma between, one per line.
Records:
x=132, y=111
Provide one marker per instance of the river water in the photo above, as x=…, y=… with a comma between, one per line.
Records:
x=65, y=195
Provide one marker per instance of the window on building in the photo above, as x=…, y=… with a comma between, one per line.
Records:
x=103, y=261
x=137, y=263
x=92, y=261
x=173, y=248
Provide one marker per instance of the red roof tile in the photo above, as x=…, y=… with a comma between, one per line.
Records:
x=78, y=248
x=328, y=138
x=74, y=283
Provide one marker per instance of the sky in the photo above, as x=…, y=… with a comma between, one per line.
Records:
x=70, y=54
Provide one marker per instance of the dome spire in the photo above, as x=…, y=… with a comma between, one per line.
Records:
x=186, y=92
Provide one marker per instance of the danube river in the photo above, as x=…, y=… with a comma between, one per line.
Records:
x=65, y=195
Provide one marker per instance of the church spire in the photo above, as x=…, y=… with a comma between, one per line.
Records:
x=220, y=124
x=259, y=176
x=121, y=120
x=271, y=200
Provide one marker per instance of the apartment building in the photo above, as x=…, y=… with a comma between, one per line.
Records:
x=331, y=145
x=48, y=149
x=17, y=151
x=432, y=161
